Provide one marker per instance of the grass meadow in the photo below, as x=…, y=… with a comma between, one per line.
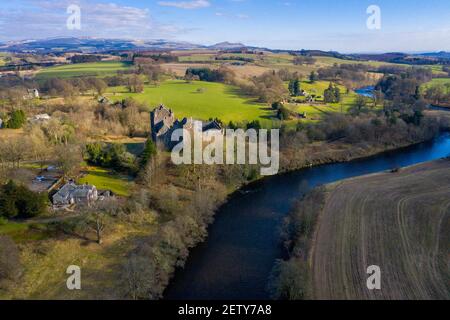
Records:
x=200, y=100
x=106, y=68
x=105, y=179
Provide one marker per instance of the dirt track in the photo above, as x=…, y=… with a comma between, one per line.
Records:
x=398, y=221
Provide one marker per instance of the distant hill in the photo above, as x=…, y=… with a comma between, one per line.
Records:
x=403, y=58
x=441, y=54
x=97, y=45
x=90, y=45
x=227, y=46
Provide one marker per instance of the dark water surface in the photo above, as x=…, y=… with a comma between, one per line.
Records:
x=438, y=108
x=243, y=243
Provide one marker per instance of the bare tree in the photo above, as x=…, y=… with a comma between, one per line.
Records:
x=68, y=159
x=140, y=278
x=97, y=216
x=40, y=148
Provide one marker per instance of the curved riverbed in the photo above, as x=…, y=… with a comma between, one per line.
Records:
x=243, y=243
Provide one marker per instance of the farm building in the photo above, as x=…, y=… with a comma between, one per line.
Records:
x=71, y=193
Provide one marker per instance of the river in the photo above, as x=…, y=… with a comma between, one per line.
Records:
x=243, y=244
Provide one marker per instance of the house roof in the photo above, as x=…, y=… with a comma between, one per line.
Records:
x=212, y=125
x=76, y=191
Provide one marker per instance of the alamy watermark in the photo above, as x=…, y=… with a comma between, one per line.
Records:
x=74, y=280
x=228, y=147
x=74, y=19
x=374, y=280
x=374, y=20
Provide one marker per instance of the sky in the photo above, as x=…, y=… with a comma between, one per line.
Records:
x=339, y=25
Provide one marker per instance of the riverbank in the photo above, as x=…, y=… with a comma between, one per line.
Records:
x=194, y=282
x=328, y=152
x=360, y=218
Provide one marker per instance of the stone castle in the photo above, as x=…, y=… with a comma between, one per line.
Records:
x=163, y=124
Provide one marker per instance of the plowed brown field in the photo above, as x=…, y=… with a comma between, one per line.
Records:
x=398, y=221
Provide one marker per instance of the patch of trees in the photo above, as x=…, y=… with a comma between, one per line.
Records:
x=388, y=128
x=304, y=60
x=128, y=117
x=157, y=57
x=186, y=206
x=332, y=94
x=400, y=88
x=284, y=113
x=446, y=69
x=153, y=72
x=287, y=75
x=223, y=74
x=15, y=119
x=291, y=279
x=344, y=72
x=114, y=156
x=17, y=201
x=268, y=87
x=85, y=58
x=294, y=87
x=149, y=152
x=234, y=58
x=387, y=69
x=72, y=87
x=313, y=77
x=116, y=81
x=402, y=92
x=34, y=145
x=10, y=81
x=135, y=83
x=438, y=94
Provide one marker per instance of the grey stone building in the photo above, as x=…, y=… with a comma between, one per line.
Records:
x=71, y=193
x=163, y=124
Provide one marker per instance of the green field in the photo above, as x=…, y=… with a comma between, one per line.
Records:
x=102, y=69
x=207, y=57
x=438, y=81
x=2, y=59
x=105, y=179
x=315, y=112
x=21, y=232
x=200, y=100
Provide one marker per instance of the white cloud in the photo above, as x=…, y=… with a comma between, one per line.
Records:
x=43, y=19
x=196, y=4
